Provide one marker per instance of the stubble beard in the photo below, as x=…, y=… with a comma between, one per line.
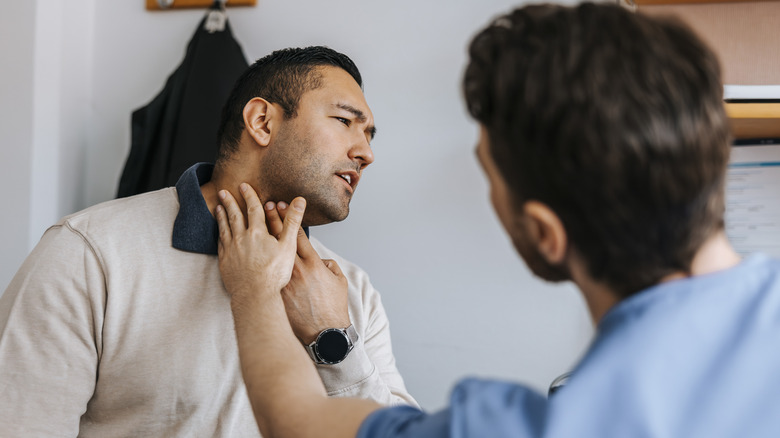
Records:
x=290, y=171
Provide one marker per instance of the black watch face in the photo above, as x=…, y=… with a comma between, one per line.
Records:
x=332, y=346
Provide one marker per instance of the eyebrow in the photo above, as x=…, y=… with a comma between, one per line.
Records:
x=359, y=115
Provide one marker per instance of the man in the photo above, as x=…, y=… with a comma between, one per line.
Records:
x=118, y=323
x=605, y=142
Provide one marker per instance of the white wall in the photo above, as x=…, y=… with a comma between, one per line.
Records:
x=460, y=301
x=16, y=96
x=45, y=95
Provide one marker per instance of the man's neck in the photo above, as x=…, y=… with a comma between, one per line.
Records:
x=716, y=254
x=224, y=181
x=209, y=192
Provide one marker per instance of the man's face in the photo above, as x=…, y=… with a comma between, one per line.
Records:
x=513, y=220
x=320, y=154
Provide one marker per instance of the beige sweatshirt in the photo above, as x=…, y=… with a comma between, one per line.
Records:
x=109, y=331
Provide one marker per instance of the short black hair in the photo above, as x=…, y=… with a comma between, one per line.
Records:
x=281, y=78
x=613, y=119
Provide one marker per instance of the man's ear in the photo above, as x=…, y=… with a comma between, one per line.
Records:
x=545, y=228
x=259, y=119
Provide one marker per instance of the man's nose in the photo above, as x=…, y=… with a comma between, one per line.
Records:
x=362, y=152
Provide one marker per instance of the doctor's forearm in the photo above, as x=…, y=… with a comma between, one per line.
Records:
x=287, y=395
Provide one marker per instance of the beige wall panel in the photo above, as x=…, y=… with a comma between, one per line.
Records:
x=745, y=35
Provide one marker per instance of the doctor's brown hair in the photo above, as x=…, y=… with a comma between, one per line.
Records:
x=615, y=121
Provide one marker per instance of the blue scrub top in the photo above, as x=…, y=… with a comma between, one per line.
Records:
x=697, y=357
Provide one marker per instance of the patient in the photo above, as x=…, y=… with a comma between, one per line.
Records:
x=118, y=323
x=604, y=139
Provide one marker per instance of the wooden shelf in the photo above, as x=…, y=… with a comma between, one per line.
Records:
x=154, y=5
x=754, y=119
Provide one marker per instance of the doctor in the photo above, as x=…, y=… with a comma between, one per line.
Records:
x=605, y=141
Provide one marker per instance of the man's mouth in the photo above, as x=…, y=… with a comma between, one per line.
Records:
x=350, y=177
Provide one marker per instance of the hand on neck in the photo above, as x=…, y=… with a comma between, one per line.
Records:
x=229, y=181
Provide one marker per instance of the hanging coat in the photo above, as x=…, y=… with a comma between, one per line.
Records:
x=178, y=128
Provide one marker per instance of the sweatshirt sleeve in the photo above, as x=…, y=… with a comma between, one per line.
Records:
x=50, y=322
x=370, y=369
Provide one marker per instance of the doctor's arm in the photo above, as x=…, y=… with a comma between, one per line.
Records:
x=326, y=291
x=287, y=394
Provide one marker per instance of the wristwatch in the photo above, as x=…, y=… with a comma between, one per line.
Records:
x=332, y=345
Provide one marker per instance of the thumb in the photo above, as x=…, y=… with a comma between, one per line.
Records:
x=292, y=221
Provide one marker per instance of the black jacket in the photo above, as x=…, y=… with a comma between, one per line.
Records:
x=179, y=127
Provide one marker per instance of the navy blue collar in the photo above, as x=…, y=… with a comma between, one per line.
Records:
x=195, y=229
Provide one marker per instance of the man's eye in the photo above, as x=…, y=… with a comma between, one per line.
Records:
x=344, y=121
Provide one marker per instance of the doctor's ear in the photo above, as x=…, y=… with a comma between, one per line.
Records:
x=546, y=230
x=259, y=118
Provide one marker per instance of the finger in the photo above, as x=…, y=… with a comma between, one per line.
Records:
x=281, y=206
x=292, y=221
x=234, y=215
x=225, y=236
x=281, y=213
x=333, y=266
x=272, y=219
x=254, y=208
x=305, y=250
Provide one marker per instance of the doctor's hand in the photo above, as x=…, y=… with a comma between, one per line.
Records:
x=255, y=264
x=316, y=296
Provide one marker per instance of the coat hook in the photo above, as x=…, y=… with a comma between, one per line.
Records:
x=165, y=4
x=216, y=18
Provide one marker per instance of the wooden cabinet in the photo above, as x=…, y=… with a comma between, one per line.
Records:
x=745, y=36
x=754, y=119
